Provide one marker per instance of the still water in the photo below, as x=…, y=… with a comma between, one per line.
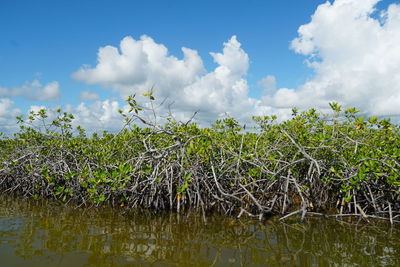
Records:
x=34, y=233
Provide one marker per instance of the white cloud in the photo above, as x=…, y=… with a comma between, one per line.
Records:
x=7, y=115
x=138, y=65
x=89, y=95
x=49, y=92
x=355, y=57
x=36, y=108
x=96, y=117
x=5, y=105
x=354, y=53
x=269, y=84
x=223, y=90
x=34, y=91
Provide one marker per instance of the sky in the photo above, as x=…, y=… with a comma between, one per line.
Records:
x=219, y=58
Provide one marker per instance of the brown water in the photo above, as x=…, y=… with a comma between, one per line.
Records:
x=33, y=233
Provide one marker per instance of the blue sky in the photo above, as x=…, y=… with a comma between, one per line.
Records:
x=55, y=38
x=49, y=41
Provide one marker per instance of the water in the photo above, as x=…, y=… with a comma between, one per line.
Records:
x=33, y=233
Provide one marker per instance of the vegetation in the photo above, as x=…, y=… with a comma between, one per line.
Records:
x=337, y=165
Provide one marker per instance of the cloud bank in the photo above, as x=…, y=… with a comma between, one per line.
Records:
x=34, y=91
x=89, y=96
x=352, y=47
x=138, y=65
x=7, y=115
x=354, y=51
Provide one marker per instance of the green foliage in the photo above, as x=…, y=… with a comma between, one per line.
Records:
x=327, y=158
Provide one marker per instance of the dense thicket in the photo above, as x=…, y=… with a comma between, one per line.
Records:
x=340, y=164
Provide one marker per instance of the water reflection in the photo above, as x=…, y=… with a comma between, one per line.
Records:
x=40, y=234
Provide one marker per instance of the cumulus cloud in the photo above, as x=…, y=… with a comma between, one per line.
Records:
x=34, y=91
x=89, y=95
x=269, y=84
x=138, y=65
x=5, y=105
x=100, y=115
x=225, y=89
x=7, y=115
x=95, y=117
x=355, y=56
x=351, y=46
